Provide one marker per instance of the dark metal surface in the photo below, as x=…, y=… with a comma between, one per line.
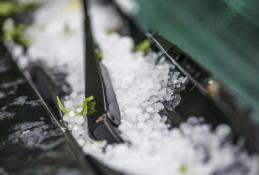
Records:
x=224, y=102
x=204, y=96
x=93, y=80
x=49, y=89
x=34, y=140
x=113, y=107
x=48, y=85
x=30, y=143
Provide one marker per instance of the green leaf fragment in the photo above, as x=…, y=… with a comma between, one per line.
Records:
x=27, y=7
x=98, y=54
x=17, y=33
x=88, y=106
x=7, y=8
x=183, y=169
x=91, y=108
x=67, y=29
x=62, y=107
x=143, y=46
x=110, y=31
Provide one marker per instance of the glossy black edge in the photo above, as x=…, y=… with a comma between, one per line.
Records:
x=89, y=164
x=93, y=81
x=104, y=129
x=237, y=114
x=64, y=130
x=95, y=85
x=112, y=104
x=224, y=99
x=46, y=86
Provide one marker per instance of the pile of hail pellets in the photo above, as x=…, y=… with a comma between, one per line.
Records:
x=142, y=87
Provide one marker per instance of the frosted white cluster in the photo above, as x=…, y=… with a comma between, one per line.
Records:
x=194, y=146
x=57, y=39
x=143, y=89
x=140, y=87
x=128, y=6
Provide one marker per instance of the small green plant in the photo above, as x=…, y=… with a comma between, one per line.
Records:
x=111, y=31
x=98, y=54
x=143, y=46
x=7, y=8
x=88, y=107
x=64, y=110
x=183, y=169
x=67, y=29
x=17, y=33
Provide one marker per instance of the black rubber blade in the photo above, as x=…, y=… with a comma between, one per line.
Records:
x=112, y=104
x=93, y=80
x=99, y=86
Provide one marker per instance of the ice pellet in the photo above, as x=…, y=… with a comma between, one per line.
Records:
x=142, y=88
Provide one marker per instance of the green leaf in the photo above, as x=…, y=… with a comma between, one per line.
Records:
x=143, y=46
x=88, y=106
x=98, y=54
x=28, y=7
x=183, y=169
x=62, y=107
x=111, y=31
x=67, y=29
x=17, y=34
x=7, y=8
x=91, y=108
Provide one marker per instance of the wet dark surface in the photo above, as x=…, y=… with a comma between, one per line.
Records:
x=29, y=141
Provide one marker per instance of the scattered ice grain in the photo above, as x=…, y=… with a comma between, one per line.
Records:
x=128, y=6
x=143, y=89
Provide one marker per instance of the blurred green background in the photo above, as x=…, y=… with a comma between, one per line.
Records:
x=221, y=35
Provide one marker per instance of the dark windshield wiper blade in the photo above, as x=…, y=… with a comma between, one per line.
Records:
x=112, y=104
x=93, y=81
x=102, y=124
